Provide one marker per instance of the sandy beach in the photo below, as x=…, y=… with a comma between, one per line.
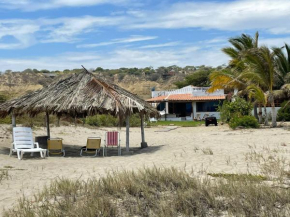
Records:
x=198, y=150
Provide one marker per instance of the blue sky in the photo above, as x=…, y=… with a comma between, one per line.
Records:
x=64, y=34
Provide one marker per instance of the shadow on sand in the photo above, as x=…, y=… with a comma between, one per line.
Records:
x=74, y=151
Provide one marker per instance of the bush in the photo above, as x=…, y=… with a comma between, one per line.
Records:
x=284, y=112
x=135, y=121
x=244, y=121
x=3, y=98
x=102, y=120
x=110, y=121
x=25, y=120
x=237, y=108
x=154, y=77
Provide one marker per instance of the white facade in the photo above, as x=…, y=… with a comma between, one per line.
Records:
x=195, y=91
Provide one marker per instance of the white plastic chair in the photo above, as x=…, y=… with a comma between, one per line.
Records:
x=23, y=142
x=153, y=120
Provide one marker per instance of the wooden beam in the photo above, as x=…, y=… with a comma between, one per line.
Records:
x=127, y=133
x=47, y=125
x=13, y=120
x=143, y=143
x=76, y=121
x=58, y=121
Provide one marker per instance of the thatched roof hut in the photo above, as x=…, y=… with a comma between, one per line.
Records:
x=79, y=94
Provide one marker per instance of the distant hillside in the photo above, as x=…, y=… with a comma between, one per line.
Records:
x=139, y=81
x=15, y=84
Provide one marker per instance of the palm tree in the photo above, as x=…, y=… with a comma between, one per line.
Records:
x=240, y=47
x=231, y=77
x=261, y=63
x=256, y=93
x=283, y=72
x=283, y=65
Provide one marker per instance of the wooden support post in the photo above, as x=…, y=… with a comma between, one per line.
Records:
x=76, y=121
x=143, y=143
x=58, y=121
x=47, y=125
x=127, y=133
x=13, y=120
x=166, y=110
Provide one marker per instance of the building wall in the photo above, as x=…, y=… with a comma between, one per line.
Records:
x=195, y=91
x=268, y=109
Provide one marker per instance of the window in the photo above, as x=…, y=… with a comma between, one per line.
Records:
x=210, y=106
x=161, y=106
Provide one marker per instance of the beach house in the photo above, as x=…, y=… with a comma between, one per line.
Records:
x=187, y=103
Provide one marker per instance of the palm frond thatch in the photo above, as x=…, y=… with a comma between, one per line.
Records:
x=79, y=94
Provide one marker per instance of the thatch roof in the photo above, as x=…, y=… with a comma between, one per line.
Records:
x=283, y=93
x=79, y=94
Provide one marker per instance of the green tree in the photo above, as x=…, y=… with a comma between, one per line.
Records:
x=232, y=77
x=198, y=78
x=261, y=63
x=256, y=93
x=283, y=65
x=99, y=69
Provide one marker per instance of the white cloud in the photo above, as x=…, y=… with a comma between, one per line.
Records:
x=234, y=15
x=277, y=42
x=66, y=29
x=133, y=38
x=169, y=44
x=120, y=58
x=28, y=32
x=239, y=15
x=22, y=31
x=33, y=5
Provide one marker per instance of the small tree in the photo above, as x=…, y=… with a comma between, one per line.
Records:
x=237, y=108
x=284, y=112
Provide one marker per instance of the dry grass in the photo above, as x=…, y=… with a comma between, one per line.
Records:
x=156, y=192
x=239, y=177
x=3, y=175
x=272, y=162
x=207, y=151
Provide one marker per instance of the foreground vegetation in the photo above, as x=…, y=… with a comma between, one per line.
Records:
x=157, y=192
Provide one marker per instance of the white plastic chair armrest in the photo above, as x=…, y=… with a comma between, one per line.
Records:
x=36, y=144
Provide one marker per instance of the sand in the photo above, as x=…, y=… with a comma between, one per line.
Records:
x=186, y=148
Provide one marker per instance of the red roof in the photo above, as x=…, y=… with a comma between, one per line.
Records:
x=184, y=97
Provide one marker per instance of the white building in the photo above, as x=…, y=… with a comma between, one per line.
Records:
x=187, y=103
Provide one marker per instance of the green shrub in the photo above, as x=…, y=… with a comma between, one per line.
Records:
x=3, y=98
x=244, y=121
x=25, y=120
x=6, y=120
x=135, y=121
x=237, y=108
x=102, y=120
x=111, y=121
x=284, y=112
